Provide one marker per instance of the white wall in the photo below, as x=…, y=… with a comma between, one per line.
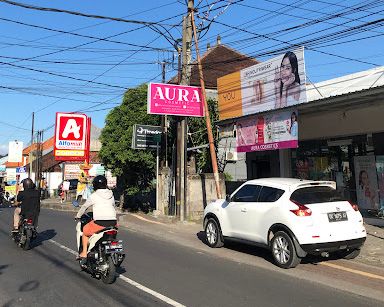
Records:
x=341, y=123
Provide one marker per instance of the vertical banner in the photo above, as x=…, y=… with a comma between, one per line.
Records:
x=380, y=178
x=273, y=84
x=267, y=132
x=366, y=182
x=15, y=152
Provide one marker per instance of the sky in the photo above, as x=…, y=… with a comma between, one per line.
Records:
x=56, y=62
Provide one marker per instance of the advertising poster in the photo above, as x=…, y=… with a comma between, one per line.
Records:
x=366, y=182
x=380, y=178
x=273, y=84
x=267, y=132
x=11, y=175
x=15, y=151
x=170, y=99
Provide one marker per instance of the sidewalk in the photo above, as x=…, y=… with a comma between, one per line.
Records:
x=191, y=234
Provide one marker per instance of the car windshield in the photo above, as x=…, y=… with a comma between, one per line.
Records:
x=317, y=194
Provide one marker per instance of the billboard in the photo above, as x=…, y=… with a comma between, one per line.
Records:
x=71, y=137
x=15, y=152
x=170, y=99
x=267, y=132
x=273, y=84
x=146, y=137
x=366, y=182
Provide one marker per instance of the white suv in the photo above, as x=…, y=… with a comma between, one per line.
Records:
x=291, y=217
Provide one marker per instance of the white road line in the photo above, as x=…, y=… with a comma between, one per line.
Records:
x=129, y=281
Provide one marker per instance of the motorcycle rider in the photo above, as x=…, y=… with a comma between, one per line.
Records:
x=104, y=213
x=28, y=204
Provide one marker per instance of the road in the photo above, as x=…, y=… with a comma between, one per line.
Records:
x=154, y=273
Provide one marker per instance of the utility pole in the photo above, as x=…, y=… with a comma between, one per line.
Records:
x=207, y=116
x=30, y=149
x=164, y=122
x=182, y=122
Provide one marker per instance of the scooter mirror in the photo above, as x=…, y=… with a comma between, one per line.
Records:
x=75, y=203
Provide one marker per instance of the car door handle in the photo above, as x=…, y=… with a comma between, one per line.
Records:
x=243, y=209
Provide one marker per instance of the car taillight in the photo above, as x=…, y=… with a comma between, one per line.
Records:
x=111, y=232
x=354, y=206
x=302, y=210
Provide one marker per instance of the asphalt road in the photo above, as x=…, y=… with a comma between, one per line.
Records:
x=166, y=272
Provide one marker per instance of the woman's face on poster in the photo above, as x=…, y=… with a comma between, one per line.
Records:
x=364, y=178
x=285, y=70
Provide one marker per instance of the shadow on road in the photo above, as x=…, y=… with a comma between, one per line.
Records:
x=241, y=247
x=44, y=236
x=2, y=267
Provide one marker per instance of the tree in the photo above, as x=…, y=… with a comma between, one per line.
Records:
x=198, y=136
x=135, y=168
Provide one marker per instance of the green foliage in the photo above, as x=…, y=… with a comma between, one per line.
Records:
x=136, y=168
x=199, y=136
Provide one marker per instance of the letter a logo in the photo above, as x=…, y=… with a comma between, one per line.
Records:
x=71, y=127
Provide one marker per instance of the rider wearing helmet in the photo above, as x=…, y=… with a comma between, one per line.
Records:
x=28, y=202
x=104, y=213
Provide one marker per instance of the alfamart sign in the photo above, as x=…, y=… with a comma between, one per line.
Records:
x=71, y=136
x=169, y=99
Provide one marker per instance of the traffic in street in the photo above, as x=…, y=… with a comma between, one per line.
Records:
x=154, y=273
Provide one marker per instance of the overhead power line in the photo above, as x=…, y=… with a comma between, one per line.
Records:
x=55, y=10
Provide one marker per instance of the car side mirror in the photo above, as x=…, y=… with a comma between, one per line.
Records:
x=228, y=198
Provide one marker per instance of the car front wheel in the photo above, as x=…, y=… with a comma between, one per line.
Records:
x=213, y=234
x=283, y=251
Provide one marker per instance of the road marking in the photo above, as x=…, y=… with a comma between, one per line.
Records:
x=149, y=221
x=366, y=274
x=129, y=281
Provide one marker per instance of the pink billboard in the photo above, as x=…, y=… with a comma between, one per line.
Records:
x=267, y=132
x=170, y=99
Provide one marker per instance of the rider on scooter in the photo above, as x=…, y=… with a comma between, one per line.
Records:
x=104, y=213
x=29, y=202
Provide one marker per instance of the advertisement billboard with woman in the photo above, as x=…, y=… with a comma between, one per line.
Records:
x=366, y=182
x=273, y=84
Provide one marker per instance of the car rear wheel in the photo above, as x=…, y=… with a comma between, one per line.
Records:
x=284, y=251
x=213, y=234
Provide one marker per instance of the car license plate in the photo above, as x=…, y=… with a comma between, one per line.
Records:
x=337, y=216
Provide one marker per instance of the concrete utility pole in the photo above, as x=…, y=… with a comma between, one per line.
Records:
x=207, y=116
x=182, y=123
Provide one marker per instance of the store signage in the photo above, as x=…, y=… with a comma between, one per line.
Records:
x=21, y=170
x=146, y=137
x=71, y=171
x=170, y=99
x=267, y=132
x=15, y=152
x=271, y=85
x=11, y=175
x=71, y=136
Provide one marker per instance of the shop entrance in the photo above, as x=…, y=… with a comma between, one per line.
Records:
x=263, y=164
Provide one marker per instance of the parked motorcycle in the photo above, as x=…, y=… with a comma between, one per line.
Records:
x=25, y=234
x=105, y=252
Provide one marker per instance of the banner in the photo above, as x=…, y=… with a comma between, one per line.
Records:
x=273, y=84
x=15, y=152
x=11, y=175
x=366, y=182
x=170, y=99
x=380, y=178
x=267, y=132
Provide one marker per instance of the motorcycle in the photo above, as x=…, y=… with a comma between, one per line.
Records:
x=25, y=234
x=105, y=252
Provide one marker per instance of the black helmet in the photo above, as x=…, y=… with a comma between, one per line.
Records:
x=99, y=182
x=28, y=184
